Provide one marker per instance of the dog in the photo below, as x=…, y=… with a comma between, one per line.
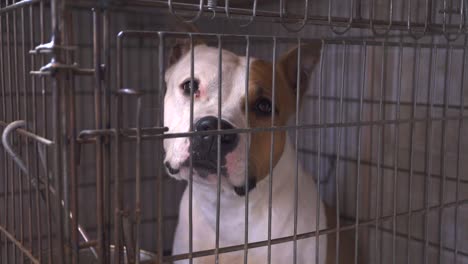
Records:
x=233, y=150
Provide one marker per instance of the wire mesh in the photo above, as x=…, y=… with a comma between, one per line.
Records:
x=381, y=129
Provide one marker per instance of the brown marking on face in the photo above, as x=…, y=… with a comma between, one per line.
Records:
x=260, y=86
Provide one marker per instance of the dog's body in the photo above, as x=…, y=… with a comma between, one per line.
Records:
x=234, y=163
x=232, y=218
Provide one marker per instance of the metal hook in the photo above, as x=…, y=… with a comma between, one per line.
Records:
x=212, y=4
x=350, y=20
x=6, y=143
x=301, y=24
x=13, y=126
x=195, y=18
x=426, y=22
x=444, y=23
x=252, y=17
x=390, y=23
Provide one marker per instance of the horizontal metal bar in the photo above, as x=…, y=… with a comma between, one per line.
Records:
x=309, y=126
x=91, y=134
x=336, y=41
x=88, y=244
x=368, y=222
x=88, y=136
x=384, y=102
x=273, y=16
x=419, y=240
x=33, y=136
x=374, y=164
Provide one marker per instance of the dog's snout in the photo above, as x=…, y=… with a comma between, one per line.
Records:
x=170, y=168
x=204, y=144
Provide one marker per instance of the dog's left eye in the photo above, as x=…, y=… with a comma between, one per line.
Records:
x=187, y=86
x=263, y=106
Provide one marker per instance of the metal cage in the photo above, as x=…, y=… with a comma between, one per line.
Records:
x=382, y=126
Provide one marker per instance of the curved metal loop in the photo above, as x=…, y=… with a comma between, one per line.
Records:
x=460, y=26
x=254, y=14
x=211, y=5
x=426, y=22
x=195, y=18
x=301, y=24
x=390, y=20
x=350, y=21
x=6, y=144
x=16, y=158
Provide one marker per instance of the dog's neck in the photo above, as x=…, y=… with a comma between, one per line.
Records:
x=205, y=197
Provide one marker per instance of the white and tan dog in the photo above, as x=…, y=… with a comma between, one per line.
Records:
x=233, y=155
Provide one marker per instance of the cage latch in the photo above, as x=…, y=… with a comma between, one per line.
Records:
x=53, y=66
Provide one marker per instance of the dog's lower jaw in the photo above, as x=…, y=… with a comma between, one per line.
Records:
x=232, y=217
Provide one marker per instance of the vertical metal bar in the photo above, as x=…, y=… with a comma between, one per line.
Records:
x=56, y=117
x=358, y=169
x=379, y=154
x=9, y=110
x=247, y=151
x=72, y=214
x=57, y=8
x=138, y=182
x=4, y=248
x=101, y=236
x=190, y=183
x=344, y=72
x=35, y=171
x=417, y=62
x=270, y=180
x=395, y=152
x=28, y=189
x=296, y=144
x=447, y=84
x=18, y=175
x=460, y=152
x=17, y=220
x=63, y=80
x=428, y=181
x=159, y=182
x=106, y=121
x=218, y=165
x=319, y=147
x=3, y=241
x=118, y=202
x=46, y=133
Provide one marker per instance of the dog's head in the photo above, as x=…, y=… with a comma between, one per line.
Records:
x=234, y=99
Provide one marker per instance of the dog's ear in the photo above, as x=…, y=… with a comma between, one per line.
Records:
x=310, y=56
x=181, y=46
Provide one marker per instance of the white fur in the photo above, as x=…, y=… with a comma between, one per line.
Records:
x=232, y=206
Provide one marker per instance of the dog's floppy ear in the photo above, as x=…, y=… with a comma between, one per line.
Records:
x=310, y=56
x=181, y=46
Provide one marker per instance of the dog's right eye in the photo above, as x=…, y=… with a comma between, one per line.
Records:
x=187, y=86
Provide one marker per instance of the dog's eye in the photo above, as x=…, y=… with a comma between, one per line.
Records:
x=187, y=86
x=263, y=106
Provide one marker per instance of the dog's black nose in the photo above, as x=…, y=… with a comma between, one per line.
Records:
x=205, y=146
x=170, y=169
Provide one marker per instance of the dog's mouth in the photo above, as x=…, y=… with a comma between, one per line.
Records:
x=205, y=167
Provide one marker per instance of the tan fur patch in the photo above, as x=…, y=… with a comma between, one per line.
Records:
x=260, y=85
